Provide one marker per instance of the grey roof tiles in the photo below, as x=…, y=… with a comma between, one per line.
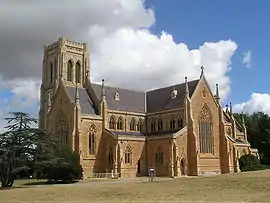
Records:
x=133, y=101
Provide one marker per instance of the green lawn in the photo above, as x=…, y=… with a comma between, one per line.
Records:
x=244, y=187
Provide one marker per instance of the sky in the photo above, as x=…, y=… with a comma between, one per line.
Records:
x=140, y=45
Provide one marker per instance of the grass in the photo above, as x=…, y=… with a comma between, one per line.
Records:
x=244, y=187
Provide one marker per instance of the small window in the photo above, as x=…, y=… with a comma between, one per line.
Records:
x=174, y=94
x=160, y=125
x=117, y=96
x=153, y=126
x=128, y=155
x=120, y=123
x=132, y=124
x=172, y=124
x=139, y=125
x=112, y=123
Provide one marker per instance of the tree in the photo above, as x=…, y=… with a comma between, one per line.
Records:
x=63, y=166
x=21, y=145
x=258, y=130
x=249, y=162
x=27, y=142
x=8, y=171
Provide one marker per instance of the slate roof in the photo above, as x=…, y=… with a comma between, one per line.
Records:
x=127, y=133
x=85, y=101
x=160, y=99
x=132, y=101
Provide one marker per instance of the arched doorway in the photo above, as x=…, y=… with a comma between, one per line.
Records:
x=183, y=167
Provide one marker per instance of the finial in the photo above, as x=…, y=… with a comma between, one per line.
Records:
x=231, y=107
x=202, y=71
x=187, y=89
x=102, y=90
x=217, y=93
x=227, y=110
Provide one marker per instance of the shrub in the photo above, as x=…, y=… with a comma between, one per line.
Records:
x=250, y=162
x=65, y=166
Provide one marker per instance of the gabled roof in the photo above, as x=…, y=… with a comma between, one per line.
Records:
x=86, y=104
x=160, y=99
x=133, y=101
x=130, y=100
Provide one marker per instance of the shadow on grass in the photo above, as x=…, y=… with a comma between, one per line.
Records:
x=46, y=182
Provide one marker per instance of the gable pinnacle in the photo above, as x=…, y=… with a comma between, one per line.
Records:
x=102, y=89
x=202, y=71
x=187, y=89
x=76, y=96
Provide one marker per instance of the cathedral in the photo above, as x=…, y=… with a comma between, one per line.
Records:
x=177, y=131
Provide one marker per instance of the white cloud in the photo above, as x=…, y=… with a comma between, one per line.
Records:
x=140, y=60
x=257, y=102
x=247, y=59
x=122, y=48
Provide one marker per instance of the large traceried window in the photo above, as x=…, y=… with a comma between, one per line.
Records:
x=112, y=123
x=205, y=130
x=78, y=72
x=132, y=124
x=159, y=156
x=120, y=123
x=91, y=140
x=69, y=70
x=62, y=129
x=128, y=155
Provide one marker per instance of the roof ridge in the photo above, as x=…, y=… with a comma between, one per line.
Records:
x=133, y=90
x=172, y=85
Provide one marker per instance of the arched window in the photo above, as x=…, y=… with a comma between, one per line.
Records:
x=62, y=129
x=132, y=124
x=153, y=126
x=120, y=123
x=172, y=123
x=160, y=124
x=205, y=130
x=159, y=155
x=51, y=72
x=69, y=70
x=139, y=125
x=91, y=140
x=78, y=72
x=128, y=155
x=112, y=123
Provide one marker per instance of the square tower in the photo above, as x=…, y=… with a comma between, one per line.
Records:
x=63, y=60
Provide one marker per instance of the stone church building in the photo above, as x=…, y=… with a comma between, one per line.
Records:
x=177, y=130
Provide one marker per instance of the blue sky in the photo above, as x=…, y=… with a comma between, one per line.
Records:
x=246, y=23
